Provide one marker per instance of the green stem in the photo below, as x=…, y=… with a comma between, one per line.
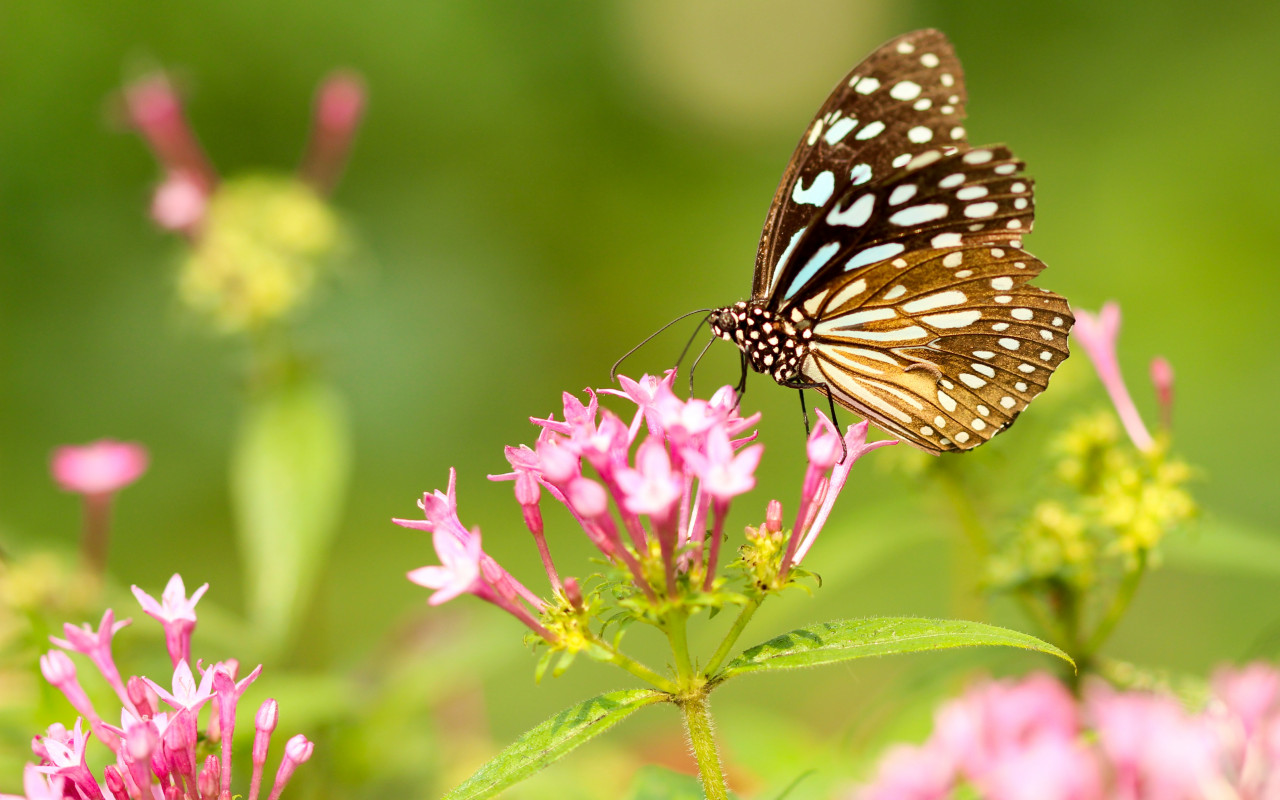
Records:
x=697, y=721
x=1119, y=604
x=676, y=633
x=722, y=652
x=635, y=667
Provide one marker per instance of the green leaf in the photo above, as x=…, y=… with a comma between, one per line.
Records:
x=552, y=740
x=843, y=640
x=289, y=472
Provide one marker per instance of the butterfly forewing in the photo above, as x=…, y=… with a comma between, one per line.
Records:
x=933, y=201
x=905, y=98
x=945, y=365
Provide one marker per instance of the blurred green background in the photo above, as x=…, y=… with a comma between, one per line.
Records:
x=538, y=186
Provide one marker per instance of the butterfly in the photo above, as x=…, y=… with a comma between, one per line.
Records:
x=890, y=275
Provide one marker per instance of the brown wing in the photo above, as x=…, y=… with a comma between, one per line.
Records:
x=905, y=98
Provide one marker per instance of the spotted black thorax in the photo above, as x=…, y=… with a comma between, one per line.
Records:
x=776, y=347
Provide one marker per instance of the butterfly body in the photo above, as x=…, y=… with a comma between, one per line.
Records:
x=890, y=273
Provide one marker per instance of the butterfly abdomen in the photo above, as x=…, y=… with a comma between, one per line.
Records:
x=774, y=346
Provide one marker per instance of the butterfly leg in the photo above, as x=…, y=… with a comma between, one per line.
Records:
x=831, y=403
x=741, y=388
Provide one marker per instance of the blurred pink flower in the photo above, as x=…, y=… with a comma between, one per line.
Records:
x=1162, y=379
x=340, y=104
x=98, y=468
x=1098, y=336
x=37, y=786
x=911, y=773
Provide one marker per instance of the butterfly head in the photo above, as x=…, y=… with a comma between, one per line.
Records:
x=773, y=345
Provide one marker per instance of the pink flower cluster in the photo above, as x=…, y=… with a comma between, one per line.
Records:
x=652, y=490
x=1032, y=740
x=157, y=754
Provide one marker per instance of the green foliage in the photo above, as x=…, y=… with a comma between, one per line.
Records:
x=289, y=472
x=845, y=640
x=553, y=740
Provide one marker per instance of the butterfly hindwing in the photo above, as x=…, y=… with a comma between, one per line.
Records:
x=945, y=365
x=905, y=98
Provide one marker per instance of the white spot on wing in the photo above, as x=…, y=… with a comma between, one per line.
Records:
x=1023, y=314
x=915, y=215
x=867, y=85
x=873, y=254
x=902, y=194
x=786, y=254
x=953, y=319
x=895, y=292
x=816, y=262
x=818, y=193
x=948, y=402
x=971, y=193
x=861, y=173
x=1002, y=284
x=920, y=134
x=1009, y=344
x=905, y=90
x=945, y=240
x=840, y=129
x=929, y=60
x=871, y=130
x=901, y=334
x=976, y=157
x=978, y=210
x=850, y=291
x=955, y=179
x=856, y=214
x=952, y=297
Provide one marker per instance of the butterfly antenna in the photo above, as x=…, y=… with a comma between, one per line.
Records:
x=694, y=368
x=613, y=371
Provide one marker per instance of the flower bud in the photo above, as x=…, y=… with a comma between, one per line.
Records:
x=773, y=517
x=115, y=782
x=573, y=593
x=209, y=778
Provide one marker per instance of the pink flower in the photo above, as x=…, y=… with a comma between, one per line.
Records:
x=459, y=570
x=176, y=612
x=809, y=522
x=1098, y=335
x=97, y=646
x=1162, y=379
x=186, y=694
x=98, y=468
x=340, y=105
x=723, y=474
x=911, y=773
x=1047, y=768
x=1157, y=751
x=180, y=202
x=37, y=786
x=651, y=488
x=1250, y=693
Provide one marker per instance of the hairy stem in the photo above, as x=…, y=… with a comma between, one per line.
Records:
x=697, y=721
x=726, y=646
x=675, y=629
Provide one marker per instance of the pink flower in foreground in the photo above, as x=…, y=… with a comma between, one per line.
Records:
x=97, y=646
x=153, y=755
x=98, y=468
x=176, y=612
x=1098, y=335
x=911, y=773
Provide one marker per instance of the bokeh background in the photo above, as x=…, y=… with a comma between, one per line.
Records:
x=537, y=187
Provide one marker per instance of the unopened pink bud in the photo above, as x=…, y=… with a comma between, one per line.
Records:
x=1162, y=377
x=142, y=742
x=339, y=106
x=573, y=593
x=296, y=752
x=115, y=782
x=209, y=780
x=559, y=463
x=588, y=498
x=142, y=696
x=773, y=517
x=57, y=668
x=341, y=102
